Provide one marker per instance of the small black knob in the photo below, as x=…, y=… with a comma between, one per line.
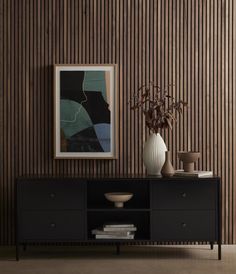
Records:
x=52, y=225
x=184, y=225
x=184, y=195
x=52, y=195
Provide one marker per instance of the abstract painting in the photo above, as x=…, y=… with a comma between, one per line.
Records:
x=85, y=111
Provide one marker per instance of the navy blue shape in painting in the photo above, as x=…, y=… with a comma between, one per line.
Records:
x=85, y=141
x=103, y=134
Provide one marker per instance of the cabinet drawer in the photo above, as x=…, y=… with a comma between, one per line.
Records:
x=51, y=195
x=184, y=195
x=51, y=225
x=183, y=225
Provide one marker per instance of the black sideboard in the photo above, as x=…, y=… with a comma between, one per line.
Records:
x=66, y=209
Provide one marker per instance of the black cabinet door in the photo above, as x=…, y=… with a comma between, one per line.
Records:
x=51, y=194
x=51, y=225
x=179, y=225
x=187, y=195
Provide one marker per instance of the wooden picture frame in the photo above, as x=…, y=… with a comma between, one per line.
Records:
x=85, y=111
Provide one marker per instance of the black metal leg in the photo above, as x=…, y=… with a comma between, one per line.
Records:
x=17, y=252
x=212, y=245
x=219, y=251
x=117, y=249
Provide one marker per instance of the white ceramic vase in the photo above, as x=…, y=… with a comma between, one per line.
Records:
x=154, y=154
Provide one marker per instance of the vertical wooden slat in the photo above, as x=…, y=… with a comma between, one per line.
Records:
x=229, y=112
x=233, y=80
x=173, y=76
x=131, y=86
x=188, y=112
x=125, y=136
x=140, y=82
x=1, y=117
x=10, y=188
x=208, y=108
x=187, y=43
x=7, y=130
x=1, y=114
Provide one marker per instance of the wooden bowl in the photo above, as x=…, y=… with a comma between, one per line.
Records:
x=119, y=198
x=188, y=158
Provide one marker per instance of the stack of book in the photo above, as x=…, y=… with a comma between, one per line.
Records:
x=195, y=173
x=115, y=231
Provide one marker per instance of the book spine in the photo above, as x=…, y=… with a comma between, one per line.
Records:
x=114, y=237
x=186, y=175
x=119, y=233
x=120, y=229
x=119, y=226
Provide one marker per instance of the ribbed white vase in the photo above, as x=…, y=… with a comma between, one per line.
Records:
x=154, y=154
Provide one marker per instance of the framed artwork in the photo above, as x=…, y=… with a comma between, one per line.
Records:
x=85, y=111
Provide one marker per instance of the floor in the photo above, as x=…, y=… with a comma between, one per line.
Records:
x=136, y=259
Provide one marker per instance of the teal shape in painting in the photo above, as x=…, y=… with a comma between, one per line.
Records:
x=103, y=134
x=73, y=118
x=95, y=81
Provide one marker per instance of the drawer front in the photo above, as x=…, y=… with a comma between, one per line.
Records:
x=51, y=195
x=184, y=195
x=51, y=225
x=183, y=225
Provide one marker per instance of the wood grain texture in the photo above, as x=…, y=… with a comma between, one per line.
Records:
x=190, y=43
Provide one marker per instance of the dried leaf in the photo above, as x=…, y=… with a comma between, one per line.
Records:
x=158, y=106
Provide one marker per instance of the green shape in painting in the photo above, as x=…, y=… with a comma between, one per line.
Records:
x=73, y=117
x=95, y=81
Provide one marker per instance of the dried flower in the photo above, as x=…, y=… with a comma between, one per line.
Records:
x=159, y=108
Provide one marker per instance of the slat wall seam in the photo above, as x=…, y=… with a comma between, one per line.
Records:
x=188, y=43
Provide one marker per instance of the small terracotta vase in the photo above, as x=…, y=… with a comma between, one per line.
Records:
x=167, y=169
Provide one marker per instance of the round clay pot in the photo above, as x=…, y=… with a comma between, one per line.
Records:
x=188, y=158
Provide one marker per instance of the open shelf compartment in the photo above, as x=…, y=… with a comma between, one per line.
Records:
x=97, y=189
x=140, y=219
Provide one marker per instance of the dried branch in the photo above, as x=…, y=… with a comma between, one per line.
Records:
x=158, y=107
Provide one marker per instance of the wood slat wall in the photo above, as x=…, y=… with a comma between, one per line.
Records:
x=190, y=43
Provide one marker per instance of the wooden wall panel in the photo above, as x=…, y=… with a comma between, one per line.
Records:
x=190, y=43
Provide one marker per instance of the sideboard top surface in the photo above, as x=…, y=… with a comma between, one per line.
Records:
x=119, y=177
